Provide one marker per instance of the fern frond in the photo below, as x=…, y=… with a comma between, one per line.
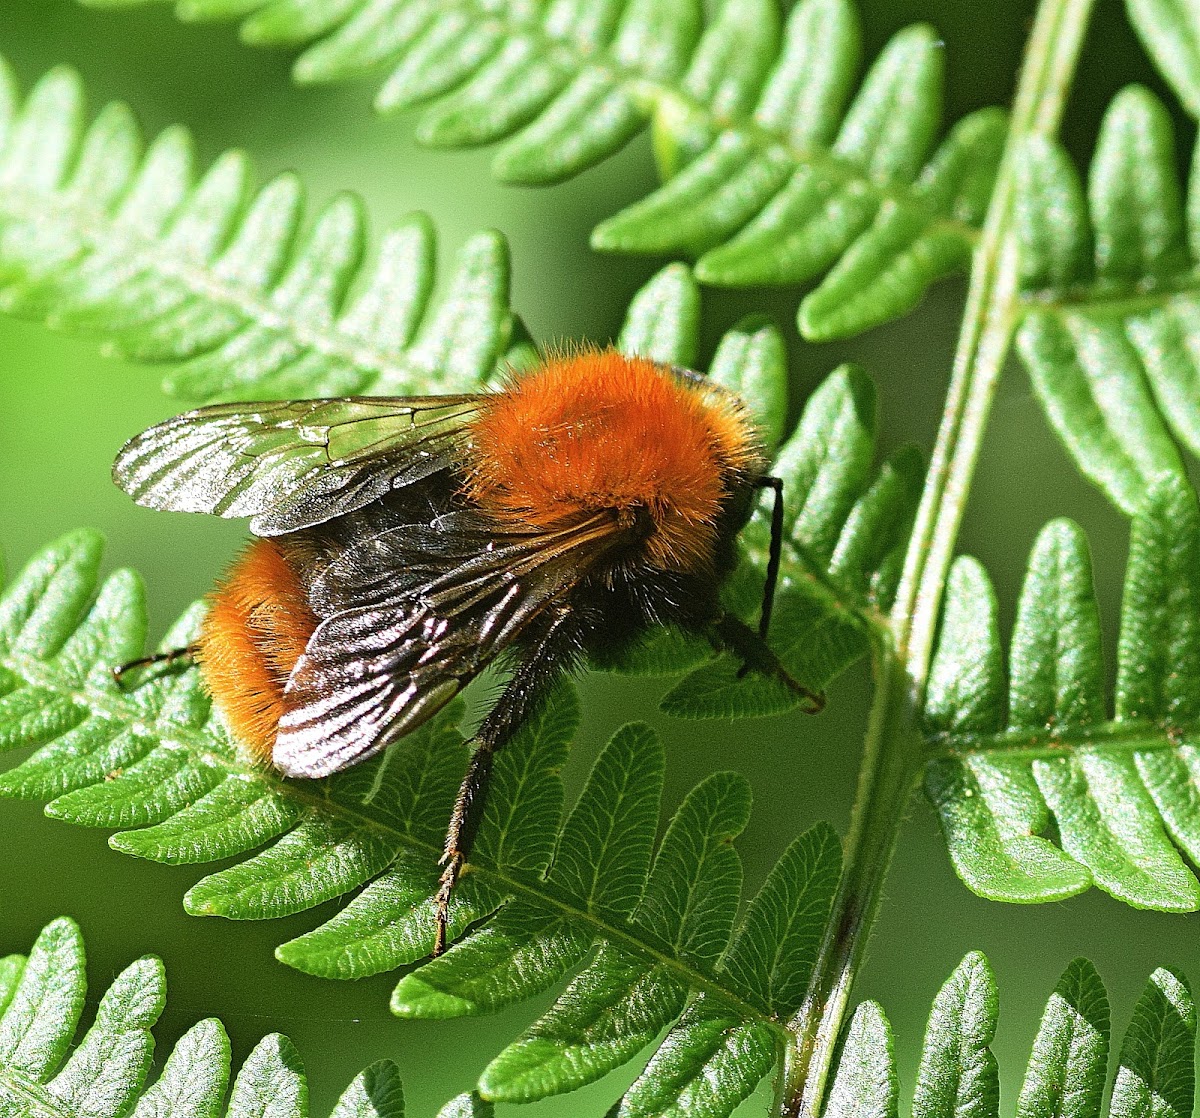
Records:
x=537, y=898
x=778, y=171
x=222, y=280
x=1045, y=790
x=1067, y=1069
x=1111, y=298
x=104, y=1075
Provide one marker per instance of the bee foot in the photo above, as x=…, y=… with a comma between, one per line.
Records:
x=453, y=861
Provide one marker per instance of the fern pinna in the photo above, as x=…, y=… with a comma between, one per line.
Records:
x=782, y=163
x=104, y=1074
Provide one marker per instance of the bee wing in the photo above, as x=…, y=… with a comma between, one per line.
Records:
x=291, y=464
x=373, y=673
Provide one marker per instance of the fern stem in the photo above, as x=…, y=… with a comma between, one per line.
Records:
x=894, y=752
x=983, y=344
x=887, y=777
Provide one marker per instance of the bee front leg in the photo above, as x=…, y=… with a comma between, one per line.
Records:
x=171, y=657
x=533, y=680
x=730, y=633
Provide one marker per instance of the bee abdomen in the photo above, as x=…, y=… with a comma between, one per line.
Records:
x=257, y=626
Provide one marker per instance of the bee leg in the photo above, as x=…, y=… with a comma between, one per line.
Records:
x=170, y=657
x=464, y=822
x=537, y=673
x=734, y=635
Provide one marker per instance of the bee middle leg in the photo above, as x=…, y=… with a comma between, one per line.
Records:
x=528, y=688
x=735, y=635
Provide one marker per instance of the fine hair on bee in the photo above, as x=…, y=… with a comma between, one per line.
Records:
x=404, y=544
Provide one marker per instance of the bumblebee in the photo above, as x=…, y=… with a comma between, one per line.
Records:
x=405, y=544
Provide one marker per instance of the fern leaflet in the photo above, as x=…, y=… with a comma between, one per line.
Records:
x=104, y=1075
x=1067, y=1069
x=1119, y=789
x=776, y=173
x=1170, y=30
x=1111, y=303
x=217, y=278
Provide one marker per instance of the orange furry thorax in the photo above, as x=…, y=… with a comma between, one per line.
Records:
x=601, y=431
x=257, y=626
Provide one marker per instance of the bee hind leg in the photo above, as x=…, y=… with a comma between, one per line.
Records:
x=464, y=822
x=536, y=674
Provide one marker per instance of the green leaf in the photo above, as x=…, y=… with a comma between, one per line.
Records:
x=751, y=362
x=992, y=812
x=707, y=1065
x=1067, y=1069
x=1170, y=30
x=1117, y=794
x=663, y=320
x=776, y=170
x=715, y=1055
x=865, y=1083
x=375, y=1093
x=1069, y=1061
x=45, y=1005
x=617, y=1005
x=604, y=851
x=958, y=1073
x=104, y=1074
x=271, y=1080
x=467, y=1106
x=775, y=949
x=1157, y=1075
x=194, y=1078
x=1109, y=296
x=966, y=681
x=224, y=282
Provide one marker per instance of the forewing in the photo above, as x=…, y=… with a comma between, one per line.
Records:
x=295, y=463
x=373, y=673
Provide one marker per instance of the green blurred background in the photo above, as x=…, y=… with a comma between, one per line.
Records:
x=66, y=409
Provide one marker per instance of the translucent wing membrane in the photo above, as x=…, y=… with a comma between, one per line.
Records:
x=783, y=163
x=426, y=609
x=1045, y=785
x=105, y=1074
x=292, y=464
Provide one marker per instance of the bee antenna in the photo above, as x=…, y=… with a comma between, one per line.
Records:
x=776, y=485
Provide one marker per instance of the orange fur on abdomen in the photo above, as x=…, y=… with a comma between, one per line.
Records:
x=601, y=431
x=257, y=625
